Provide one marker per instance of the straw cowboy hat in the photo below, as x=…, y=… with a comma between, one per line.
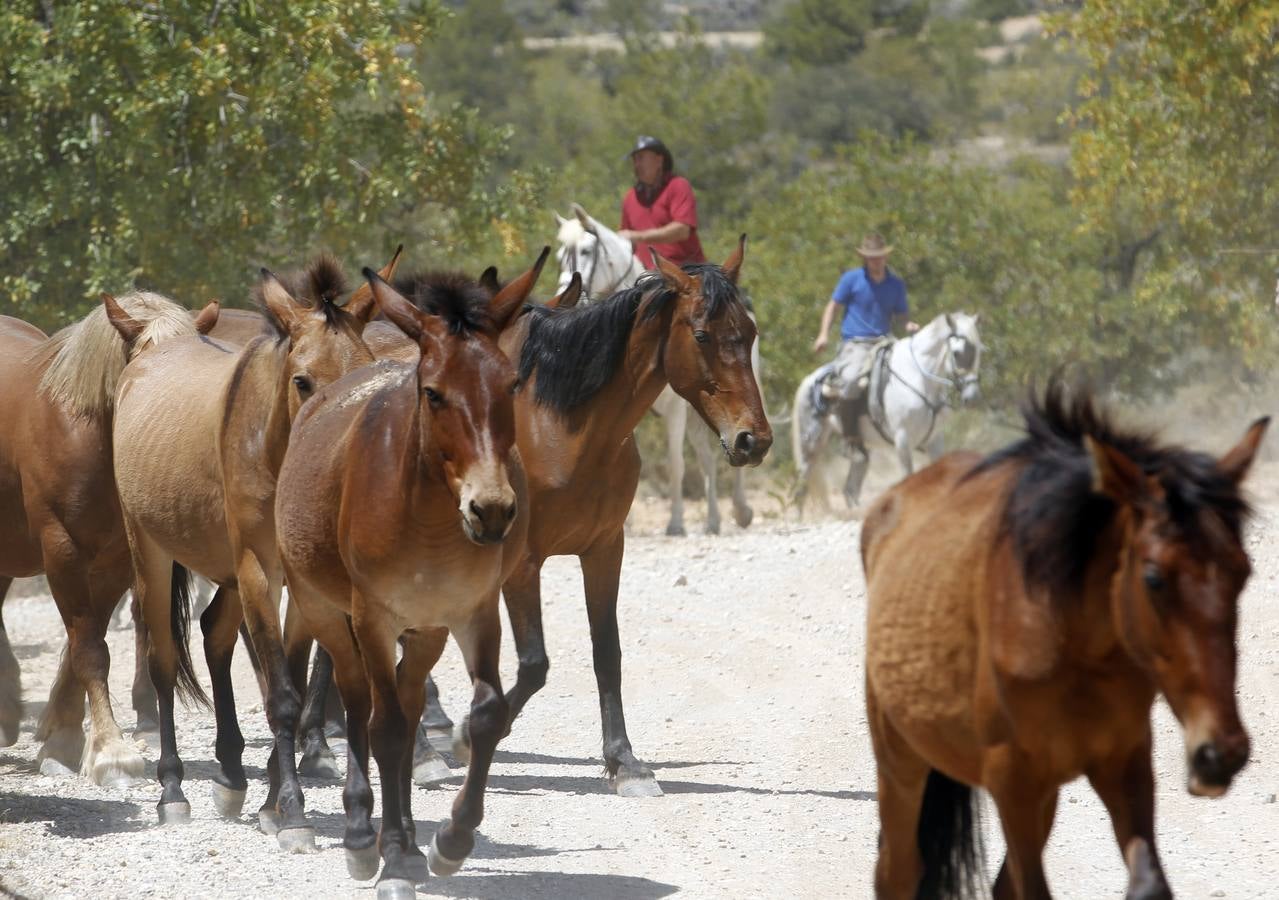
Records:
x=873, y=245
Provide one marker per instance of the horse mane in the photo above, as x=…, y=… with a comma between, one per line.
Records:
x=83, y=361
x=457, y=298
x=318, y=286
x=576, y=351
x=1052, y=513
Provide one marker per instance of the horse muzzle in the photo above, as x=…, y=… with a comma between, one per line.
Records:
x=1213, y=764
x=748, y=448
x=488, y=520
x=970, y=393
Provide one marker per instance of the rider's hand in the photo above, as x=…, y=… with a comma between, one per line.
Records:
x=912, y=327
x=627, y=234
x=820, y=344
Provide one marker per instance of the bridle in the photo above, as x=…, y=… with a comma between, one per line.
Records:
x=596, y=255
x=961, y=377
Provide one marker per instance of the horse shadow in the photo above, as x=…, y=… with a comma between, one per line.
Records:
x=582, y=784
x=487, y=884
x=73, y=817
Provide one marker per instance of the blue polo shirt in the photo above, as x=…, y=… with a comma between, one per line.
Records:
x=869, y=307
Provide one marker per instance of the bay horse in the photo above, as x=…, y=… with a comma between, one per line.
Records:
x=589, y=374
x=200, y=431
x=402, y=507
x=605, y=263
x=921, y=379
x=59, y=514
x=1024, y=610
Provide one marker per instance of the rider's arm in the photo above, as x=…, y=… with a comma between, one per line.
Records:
x=670, y=233
x=828, y=316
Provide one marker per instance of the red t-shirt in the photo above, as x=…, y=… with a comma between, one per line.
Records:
x=675, y=203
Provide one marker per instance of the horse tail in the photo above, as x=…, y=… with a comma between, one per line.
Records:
x=949, y=835
x=180, y=597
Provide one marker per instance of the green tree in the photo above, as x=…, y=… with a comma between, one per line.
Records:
x=819, y=32
x=181, y=145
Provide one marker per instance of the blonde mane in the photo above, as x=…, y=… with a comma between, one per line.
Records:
x=82, y=362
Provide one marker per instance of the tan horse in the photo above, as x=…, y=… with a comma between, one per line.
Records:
x=1024, y=612
x=402, y=507
x=200, y=431
x=59, y=514
x=591, y=373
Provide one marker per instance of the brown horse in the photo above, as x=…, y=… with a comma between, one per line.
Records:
x=196, y=459
x=590, y=374
x=1024, y=611
x=59, y=514
x=402, y=507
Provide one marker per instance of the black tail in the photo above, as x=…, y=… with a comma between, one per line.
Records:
x=180, y=597
x=950, y=841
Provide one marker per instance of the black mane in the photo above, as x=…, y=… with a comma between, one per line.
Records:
x=318, y=286
x=1052, y=512
x=457, y=298
x=576, y=351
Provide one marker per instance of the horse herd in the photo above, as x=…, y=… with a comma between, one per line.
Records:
x=405, y=454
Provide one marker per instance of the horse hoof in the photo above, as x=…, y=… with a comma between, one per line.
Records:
x=440, y=864
x=268, y=821
x=417, y=866
x=178, y=813
x=744, y=518
x=296, y=840
x=441, y=738
x=53, y=768
x=673, y=530
x=629, y=785
x=712, y=528
x=118, y=782
x=319, y=765
x=228, y=801
x=461, y=744
x=431, y=770
x=395, y=889
x=9, y=734
x=148, y=734
x=362, y=864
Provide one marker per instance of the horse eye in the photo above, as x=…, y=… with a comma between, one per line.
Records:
x=701, y=337
x=1153, y=577
x=434, y=397
x=303, y=383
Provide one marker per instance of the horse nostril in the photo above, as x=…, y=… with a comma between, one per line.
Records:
x=509, y=512
x=1207, y=762
x=476, y=511
x=745, y=442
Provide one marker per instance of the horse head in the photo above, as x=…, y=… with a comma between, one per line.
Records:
x=707, y=355
x=1174, y=599
x=466, y=406
x=963, y=346
x=602, y=256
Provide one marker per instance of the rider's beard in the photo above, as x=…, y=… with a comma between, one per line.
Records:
x=647, y=194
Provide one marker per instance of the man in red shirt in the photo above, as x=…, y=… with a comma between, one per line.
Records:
x=660, y=211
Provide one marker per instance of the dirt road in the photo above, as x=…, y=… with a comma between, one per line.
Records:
x=742, y=677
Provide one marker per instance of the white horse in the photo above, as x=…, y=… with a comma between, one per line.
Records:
x=607, y=265
x=909, y=395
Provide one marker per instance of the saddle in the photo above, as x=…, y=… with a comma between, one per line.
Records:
x=868, y=402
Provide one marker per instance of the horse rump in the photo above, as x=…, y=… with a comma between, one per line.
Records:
x=950, y=844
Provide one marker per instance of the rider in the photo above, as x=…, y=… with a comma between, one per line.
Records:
x=872, y=298
x=660, y=211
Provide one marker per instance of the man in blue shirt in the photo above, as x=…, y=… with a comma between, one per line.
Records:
x=871, y=298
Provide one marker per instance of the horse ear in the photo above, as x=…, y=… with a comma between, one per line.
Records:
x=509, y=299
x=1236, y=463
x=130, y=328
x=568, y=298
x=279, y=301
x=733, y=265
x=1114, y=474
x=361, y=304
x=585, y=218
x=559, y=220
x=950, y=322
x=208, y=317
x=395, y=306
x=672, y=274
x=488, y=280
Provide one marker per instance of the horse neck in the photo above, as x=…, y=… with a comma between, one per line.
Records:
x=926, y=349
x=264, y=371
x=620, y=277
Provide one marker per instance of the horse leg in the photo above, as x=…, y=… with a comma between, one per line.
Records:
x=706, y=462
x=145, y=704
x=429, y=767
x=743, y=515
x=10, y=680
x=523, y=595
x=480, y=640
x=390, y=740
x=601, y=571
x=60, y=730
x=359, y=838
x=902, y=776
x=421, y=651
x=676, y=419
x=110, y=759
x=857, y=467
x=436, y=724
x=317, y=759
x=1127, y=787
x=260, y=579
x=1026, y=806
x=220, y=623
x=901, y=441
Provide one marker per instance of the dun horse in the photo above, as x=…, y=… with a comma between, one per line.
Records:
x=1024, y=612
x=59, y=514
x=200, y=432
x=402, y=507
x=590, y=374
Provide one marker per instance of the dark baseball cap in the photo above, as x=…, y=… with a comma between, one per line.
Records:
x=648, y=142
